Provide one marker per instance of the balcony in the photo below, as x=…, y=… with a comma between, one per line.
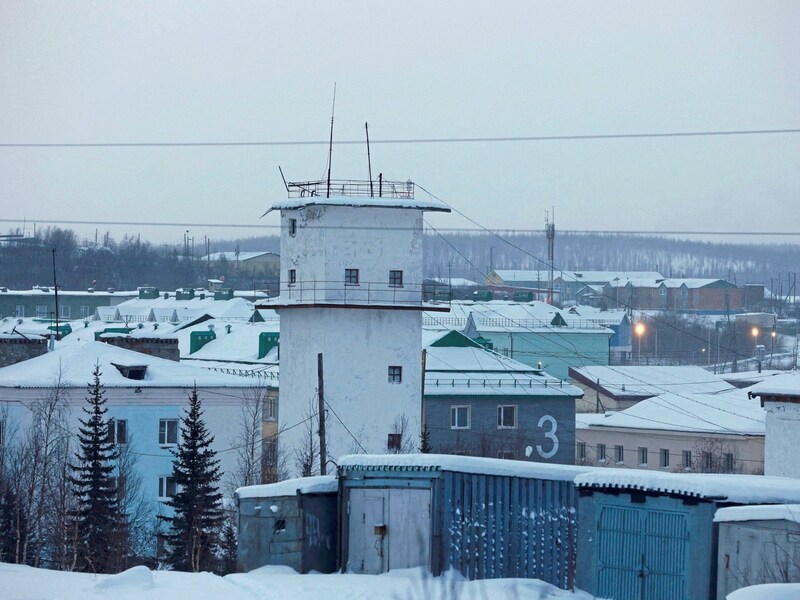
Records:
x=337, y=294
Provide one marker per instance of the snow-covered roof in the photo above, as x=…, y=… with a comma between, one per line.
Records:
x=644, y=381
x=521, y=274
x=604, y=276
x=460, y=464
x=731, y=413
x=787, y=384
x=765, y=512
x=238, y=309
x=639, y=283
x=48, y=291
x=76, y=362
x=743, y=489
x=360, y=201
x=319, y=484
x=694, y=282
x=747, y=378
x=454, y=281
x=474, y=371
x=234, y=256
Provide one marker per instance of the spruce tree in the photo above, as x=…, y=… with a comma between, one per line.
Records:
x=96, y=518
x=194, y=529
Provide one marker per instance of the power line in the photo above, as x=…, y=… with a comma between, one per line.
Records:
x=446, y=140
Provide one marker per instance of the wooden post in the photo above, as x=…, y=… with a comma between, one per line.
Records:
x=323, y=454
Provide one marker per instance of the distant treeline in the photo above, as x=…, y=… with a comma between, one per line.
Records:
x=132, y=262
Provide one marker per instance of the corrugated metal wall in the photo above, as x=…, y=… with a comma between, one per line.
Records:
x=495, y=526
x=301, y=532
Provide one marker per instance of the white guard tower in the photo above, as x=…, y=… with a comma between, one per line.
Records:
x=351, y=289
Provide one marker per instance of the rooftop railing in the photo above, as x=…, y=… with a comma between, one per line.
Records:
x=504, y=323
x=492, y=382
x=380, y=188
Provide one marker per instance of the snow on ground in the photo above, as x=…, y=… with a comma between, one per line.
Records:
x=767, y=591
x=266, y=583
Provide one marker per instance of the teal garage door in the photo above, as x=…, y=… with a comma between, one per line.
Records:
x=642, y=554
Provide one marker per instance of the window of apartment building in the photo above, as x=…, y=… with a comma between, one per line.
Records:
x=41, y=312
x=292, y=276
x=166, y=487
x=85, y=312
x=351, y=276
x=581, y=450
x=506, y=417
x=396, y=278
x=292, y=227
x=601, y=453
x=664, y=458
x=642, y=457
x=118, y=431
x=729, y=462
x=460, y=417
x=708, y=461
x=2, y=432
x=505, y=454
x=619, y=455
x=64, y=311
x=168, y=432
x=395, y=374
x=270, y=408
x=19, y=311
x=687, y=460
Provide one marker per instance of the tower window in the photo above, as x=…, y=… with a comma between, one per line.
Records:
x=396, y=278
x=292, y=276
x=351, y=276
x=395, y=374
x=292, y=227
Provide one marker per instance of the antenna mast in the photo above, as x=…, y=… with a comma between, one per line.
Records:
x=369, y=162
x=330, y=143
x=550, y=232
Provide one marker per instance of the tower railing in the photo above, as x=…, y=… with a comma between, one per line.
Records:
x=363, y=293
x=380, y=188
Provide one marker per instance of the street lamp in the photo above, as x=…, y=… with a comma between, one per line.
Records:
x=639, y=330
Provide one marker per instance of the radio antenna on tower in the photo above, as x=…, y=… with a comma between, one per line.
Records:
x=550, y=232
x=369, y=162
x=330, y=143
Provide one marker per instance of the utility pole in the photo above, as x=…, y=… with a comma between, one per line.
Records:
x=323, y=454
x=422, y=396
x=550, y=232
x=55, y=290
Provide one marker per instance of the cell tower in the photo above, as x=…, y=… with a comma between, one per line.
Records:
x=550, y=232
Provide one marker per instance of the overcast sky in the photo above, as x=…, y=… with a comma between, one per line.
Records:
x=120, y=72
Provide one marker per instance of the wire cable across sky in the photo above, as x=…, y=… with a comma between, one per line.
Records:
x=443, y=140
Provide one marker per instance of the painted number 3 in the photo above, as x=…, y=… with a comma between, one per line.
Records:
x=551, y=434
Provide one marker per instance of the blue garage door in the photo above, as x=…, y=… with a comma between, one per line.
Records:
x=642, y=554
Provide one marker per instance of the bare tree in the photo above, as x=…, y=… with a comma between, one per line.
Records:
x=306, y=453
x=404, y=441
x=715, y=455
x=138, y=532
x=36, y=473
